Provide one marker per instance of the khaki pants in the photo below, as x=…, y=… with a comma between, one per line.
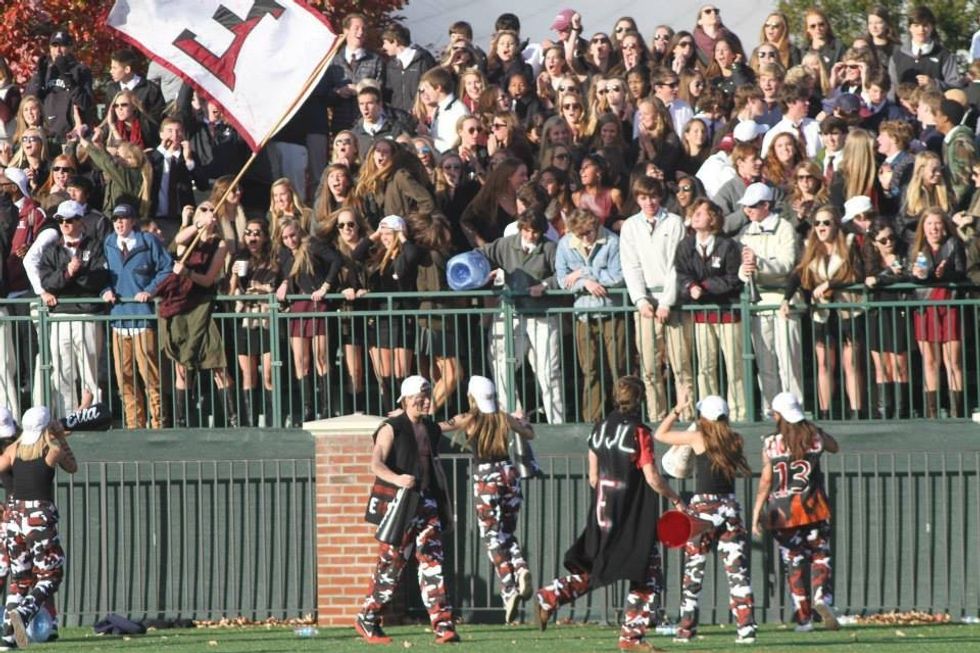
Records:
x=599, y=345
x=777, y=344
x=658, y=343
x=132, y=354
x=728, y=336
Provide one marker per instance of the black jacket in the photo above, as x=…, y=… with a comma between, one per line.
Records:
x=401, y=83
x=395, y=123
x=60, y=85
x=218, y=149
x=180, y=191
x=149, y=95
x=717, y=275
x=91, y=280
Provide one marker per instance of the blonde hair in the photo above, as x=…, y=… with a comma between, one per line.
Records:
x=858, y=166
x=724, y=448
x=487, y=433
x=300, y=212
x=134, y=157
x=918, y=198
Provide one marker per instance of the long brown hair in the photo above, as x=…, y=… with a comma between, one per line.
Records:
x=814, y=250
x=302, y=260
x=798, y=438
x=724, y=448
x=487, y=432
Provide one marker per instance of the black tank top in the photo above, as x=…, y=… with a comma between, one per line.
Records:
x=707, y=481
x=7, y=480
x=33, y=480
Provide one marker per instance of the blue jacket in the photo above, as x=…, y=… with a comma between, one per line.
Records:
x=602, y=265
x=147, y=265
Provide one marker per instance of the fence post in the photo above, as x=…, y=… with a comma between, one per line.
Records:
x=748, y=355
x=510, y=365
x=44, y=351
x=275, y=420
x=346, y=550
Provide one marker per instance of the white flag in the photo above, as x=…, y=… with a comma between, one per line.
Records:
x=252, y=57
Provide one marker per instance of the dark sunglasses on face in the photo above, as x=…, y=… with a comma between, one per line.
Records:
x=685, y=44
x=823, y=223
x=670, y=84
x=661, y=37
x=120, y=105
x=346, y=225
x=570, y=106
x=253, y=232
x=767, y=54
x=499, y=125
x=804, y=177
x=600, y=39
x=62, y=169
x=30, y=139
x=69, y=220
x=686, y=188
x=452, y=166
x=710, y=10
x=620, y=30
x=206, y=209
x=884, y=240
x=773, y=25
x=473, y=130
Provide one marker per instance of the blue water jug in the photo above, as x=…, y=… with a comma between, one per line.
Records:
x=39, y=630
x=468, y=271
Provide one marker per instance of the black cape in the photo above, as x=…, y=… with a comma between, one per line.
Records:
x=621, y=527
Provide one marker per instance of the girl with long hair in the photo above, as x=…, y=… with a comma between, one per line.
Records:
x=718, y=461
x=597, y=195
x=425, y=150
x=30, y=115
x=496, y=486
x=495, y=206
x=39, y=560
x=128, y=172
x=286, y=204
x=472, y=83
x=775, y=32
x=230, y=215
x=254, y=273
x=827, y=265
x=633, y=55
x=785, y=153
x=884, y=264
x=694, y=141
x=554, y=181
x=55, y=191
x=656, y=141
x=927, y=189
x=807, y=193
x=792, y=503
x=308, y=267
x=681, y=55
x=346, y=230
x=32, y=158
x=392, y=182
x=639, y=86
x=728, y=69
x=882, y=34
x=662, y=34
x=127, y=122
x=572, y=109
x=600, y=58
x=858, y=171
x=819, y=37
x=936, y=257
x=505, y=58
x=391, y=260
x=692, y=87
x=335, y=191
x=814, y=66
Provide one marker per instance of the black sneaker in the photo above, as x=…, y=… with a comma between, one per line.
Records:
x=370, y=633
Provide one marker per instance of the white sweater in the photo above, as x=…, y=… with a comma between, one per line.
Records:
x=648, y=258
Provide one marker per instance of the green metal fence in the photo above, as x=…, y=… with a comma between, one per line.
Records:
x=481, y=333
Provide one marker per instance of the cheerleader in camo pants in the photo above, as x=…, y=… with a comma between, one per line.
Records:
x=31, y=522
x=792, y=503
x=496, y=487
x=718, y=459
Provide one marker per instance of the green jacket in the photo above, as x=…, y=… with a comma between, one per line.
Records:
x=959, y=154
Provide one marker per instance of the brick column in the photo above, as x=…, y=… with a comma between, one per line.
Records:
x=346, y=550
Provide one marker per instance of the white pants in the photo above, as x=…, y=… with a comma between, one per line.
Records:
x=9, y=364
x=74, y=360
x=289, y=160
x=777, y=343
x=536, y=337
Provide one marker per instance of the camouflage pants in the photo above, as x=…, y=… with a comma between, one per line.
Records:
x=424, y=537
x=724, y=512
x=497, y=497
x=636, y=614
x=802, y=547
x=36, y=558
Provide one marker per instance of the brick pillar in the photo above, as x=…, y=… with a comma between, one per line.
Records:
x=346, y=550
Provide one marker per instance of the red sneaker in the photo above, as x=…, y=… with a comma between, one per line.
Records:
x=370, y=633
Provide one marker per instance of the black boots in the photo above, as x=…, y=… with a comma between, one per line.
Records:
x=901, y=392
x=955, y=402
x=884, y=401
x=932, y=404
x=231, y=412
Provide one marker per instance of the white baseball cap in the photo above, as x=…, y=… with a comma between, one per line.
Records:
x=18, y=177
x=747, y=131
x=393, y=222
x=7, y=425
x=755, y=193
x=33, y=423
x=484, y=393
x=69, y=209
x=788, y=407
x=856, y=206
x=414, y=385
x=713, y=408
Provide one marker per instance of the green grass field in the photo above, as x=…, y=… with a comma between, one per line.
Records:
x=953, y=638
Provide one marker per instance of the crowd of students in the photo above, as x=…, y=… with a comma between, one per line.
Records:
x=682, y=169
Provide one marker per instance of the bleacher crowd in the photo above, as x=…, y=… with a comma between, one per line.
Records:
x=683, y=167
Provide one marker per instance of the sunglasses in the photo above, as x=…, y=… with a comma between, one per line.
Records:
x=620, y=30
x=685, y=44
x=424, y=150
x=773, y=25
x=346, y=225
x=571, y=106
x=670, y=84
x=452, y=166
x=710, y=10
x=499, y=125
x=631, y=46
x=30, y=139
x=767, y=55
x=567, y=89
x=614, y=89
x=62, y=169
x=823, y=223
x=206, y=209
x=686, y=188
x=253, y=232
x=661, y=37
x=601, y=39
x=474, y=130
x=884, y=240
x=804, y=177
x=69, y=220
x=120, y=105
x=816, y=25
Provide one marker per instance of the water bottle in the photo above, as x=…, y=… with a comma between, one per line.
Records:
x=921, y=261
x=40, y=628
x=306, y=632
x=666, y=630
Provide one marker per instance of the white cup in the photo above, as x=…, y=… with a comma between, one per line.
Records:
x=242, y=268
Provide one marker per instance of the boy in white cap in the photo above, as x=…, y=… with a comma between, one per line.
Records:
x=792, y=503
x=406, y=455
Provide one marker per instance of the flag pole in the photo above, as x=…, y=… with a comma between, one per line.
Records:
x=314, y=76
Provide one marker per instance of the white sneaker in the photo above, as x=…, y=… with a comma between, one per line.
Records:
x=524, y=586
x=804, y=628
x=682, y=640
x=828, y=615
x=510, y=607
x=745, y=640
